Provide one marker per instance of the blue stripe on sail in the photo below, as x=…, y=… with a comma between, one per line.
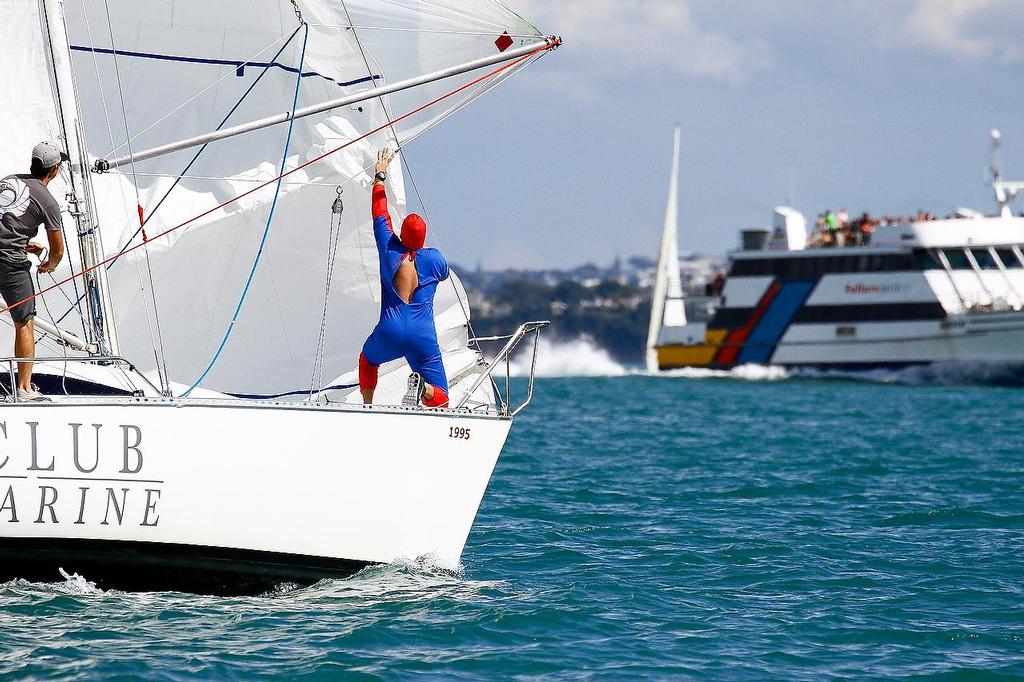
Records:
x=773, y=324
x=239, y=66
x=257, y=396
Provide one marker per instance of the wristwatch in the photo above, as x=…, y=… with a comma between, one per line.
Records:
x=381, y=176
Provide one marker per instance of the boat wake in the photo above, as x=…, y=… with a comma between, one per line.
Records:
x=577, y=358
x=935, y=374
x=403, y=581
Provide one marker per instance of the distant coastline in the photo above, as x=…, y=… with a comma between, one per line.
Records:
x=609, y=305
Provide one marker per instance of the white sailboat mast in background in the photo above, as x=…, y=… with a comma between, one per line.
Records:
x=667, y=306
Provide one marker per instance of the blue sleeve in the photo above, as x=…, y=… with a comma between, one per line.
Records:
x=442, y=268
x=381, y=233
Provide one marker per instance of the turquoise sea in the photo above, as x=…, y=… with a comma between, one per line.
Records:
x=644, y=527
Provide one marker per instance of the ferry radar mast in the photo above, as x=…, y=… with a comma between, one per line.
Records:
x=1005, y=192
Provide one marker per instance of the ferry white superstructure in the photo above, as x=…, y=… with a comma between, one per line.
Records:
x=927, y=291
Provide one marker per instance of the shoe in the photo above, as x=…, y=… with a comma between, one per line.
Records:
x=414, y=395
x=32, y=395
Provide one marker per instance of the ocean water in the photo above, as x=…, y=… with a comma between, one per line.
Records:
x=743, y=526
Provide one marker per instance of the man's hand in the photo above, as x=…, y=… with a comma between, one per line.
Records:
x=47, y=267
x=34, y=248
x=384, y=158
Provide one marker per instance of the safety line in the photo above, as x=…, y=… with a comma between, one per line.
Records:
x=317, y=159
x=270, y=221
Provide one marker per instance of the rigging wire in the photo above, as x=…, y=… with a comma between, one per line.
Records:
x=337, y=211
x=159, y=352
x=270, y=216
x=490, y=74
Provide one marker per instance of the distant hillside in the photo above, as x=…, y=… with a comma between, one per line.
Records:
x=610, y=305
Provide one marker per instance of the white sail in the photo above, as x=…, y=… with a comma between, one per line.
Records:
x=28, y=115
x=162, y=72
x=667, y=306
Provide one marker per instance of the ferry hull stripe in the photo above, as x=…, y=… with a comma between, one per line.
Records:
x=735, y=340
x=774, y=323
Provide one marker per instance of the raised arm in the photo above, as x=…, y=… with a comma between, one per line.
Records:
x=382, y=228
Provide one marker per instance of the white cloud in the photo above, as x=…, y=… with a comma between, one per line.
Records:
x=625, y=36
x=971, y=30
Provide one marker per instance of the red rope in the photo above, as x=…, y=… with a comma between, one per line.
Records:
x=490, y=74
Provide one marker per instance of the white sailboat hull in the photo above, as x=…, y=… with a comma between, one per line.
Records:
x=236, y=497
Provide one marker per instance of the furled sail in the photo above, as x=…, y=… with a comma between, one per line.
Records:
x=668, y=311
x=149, y=74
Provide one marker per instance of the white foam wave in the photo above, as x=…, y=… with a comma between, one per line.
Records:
x=76, y=584
x=741, y=373
x=578, y=358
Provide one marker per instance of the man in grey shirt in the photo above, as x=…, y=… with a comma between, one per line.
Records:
x=25, y=205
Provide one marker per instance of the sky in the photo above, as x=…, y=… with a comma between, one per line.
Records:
x=877, y=105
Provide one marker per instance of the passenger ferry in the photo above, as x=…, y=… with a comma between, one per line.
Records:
x=923, y=291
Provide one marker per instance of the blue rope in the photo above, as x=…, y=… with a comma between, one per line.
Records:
x=187, y=168
x=270, y=220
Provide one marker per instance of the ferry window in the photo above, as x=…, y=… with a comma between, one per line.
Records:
x=1009, y=258
x=957, y=259
x=985, y=259
x=925, y=260
x=748, y=268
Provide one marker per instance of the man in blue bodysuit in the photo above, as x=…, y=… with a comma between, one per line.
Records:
x=409, y=275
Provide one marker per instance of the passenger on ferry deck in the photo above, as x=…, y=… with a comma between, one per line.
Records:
x=409, y=275
x=833, y=228
x=843, y=218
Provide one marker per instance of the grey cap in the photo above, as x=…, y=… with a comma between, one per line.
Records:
x=49, y=154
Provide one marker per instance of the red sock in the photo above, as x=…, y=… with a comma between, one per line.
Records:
x=440, y=399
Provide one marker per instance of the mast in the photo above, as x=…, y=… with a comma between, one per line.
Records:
x=667, y=308
x=80, y=195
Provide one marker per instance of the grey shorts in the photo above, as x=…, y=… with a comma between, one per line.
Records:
x=16, y=285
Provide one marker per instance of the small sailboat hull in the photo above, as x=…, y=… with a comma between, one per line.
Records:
x=202, y=496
